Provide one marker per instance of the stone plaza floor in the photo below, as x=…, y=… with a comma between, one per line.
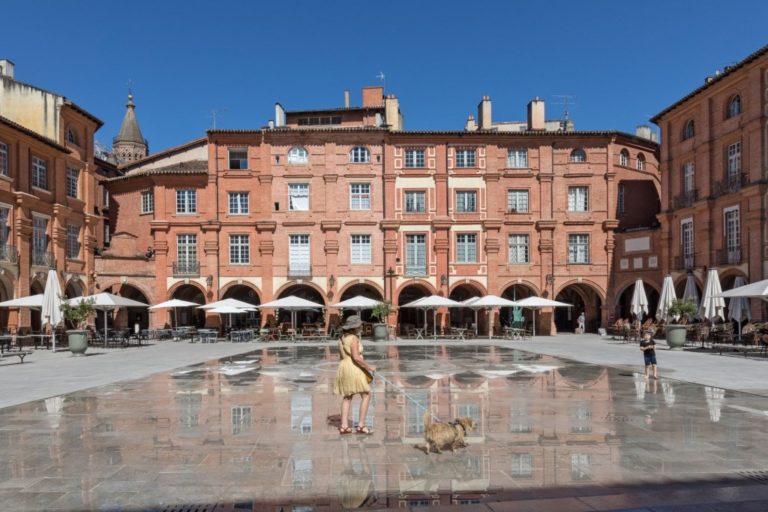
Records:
x=254, y=427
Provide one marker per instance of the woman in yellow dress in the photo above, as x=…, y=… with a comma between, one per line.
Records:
x=352, y=376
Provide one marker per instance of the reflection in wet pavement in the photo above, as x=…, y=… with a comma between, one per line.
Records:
x=261, y=429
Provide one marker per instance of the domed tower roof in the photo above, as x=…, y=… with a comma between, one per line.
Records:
x=130, y=131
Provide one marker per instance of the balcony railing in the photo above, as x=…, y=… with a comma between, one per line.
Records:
x=299, y=272
x=730, y=256
x=684, y=262
x=731, y=184
x=8, y=253
x=43, y=259
x=416, y=271
x=186, y=269
x=686, y=198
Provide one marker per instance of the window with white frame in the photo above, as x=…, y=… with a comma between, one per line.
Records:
x=689, y=129
x=39, y=173
x=186, y=201
x=578, y=248
x=238, y=158
x=578, y=156
x=415, y=201
x=465, y=158
x=519, y=249
x=466, y=248
x=466, y=201
x=732, y=223
x=298, y=197
x=517, y=201
x=73, y=177
x=578, y=199
x=734, y=106
x=239, y=250
x=39, y=235
x=359, y=155
x=360, y=196
x=242, y=417
x=640, y=164
x=360, y=250
x=624, y=158
x=299, y=262
x=186, y=252
x=298, y=155
x=734, y=159
x=238, y=203
x=416, y=254
x=517, y=158
x=4, y=159
x=519, y=418
x=147, y=201
x=522, y=465
x=73, y=241
x=104, y=196
x=689, y=175
x=686, y=240
x=581, y=466
x=620, y=199
x=414, y=157
x=107, y=234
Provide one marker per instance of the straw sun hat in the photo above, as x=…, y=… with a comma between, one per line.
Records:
x=352, y=322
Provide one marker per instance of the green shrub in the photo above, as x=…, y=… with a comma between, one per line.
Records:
x=79, y=314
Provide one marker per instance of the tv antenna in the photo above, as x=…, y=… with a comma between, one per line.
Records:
x=215, y=113
x=565, y=100
x=382, y=77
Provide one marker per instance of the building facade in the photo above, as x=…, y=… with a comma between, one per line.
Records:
x=328, y=204
x=49, y=194
x=713, y=163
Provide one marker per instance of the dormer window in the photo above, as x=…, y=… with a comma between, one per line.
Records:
x=298, y=156
x=578, y=156
x=734, y=106
x=70, y=136
x=359, y=155
x=689, y=129
x=624, y=158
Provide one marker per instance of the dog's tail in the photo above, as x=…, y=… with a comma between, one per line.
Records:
x=427, y=419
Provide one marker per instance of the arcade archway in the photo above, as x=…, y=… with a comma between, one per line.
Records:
x=516, y=292
x=129, y=318
x=411, y=316
x=465, y=317
x=247, y=294
x=34, y=314
x=189, y=316
x=584, y=298
x=6, y=293
x=365, y=290
x=73, y=289
x=308, y=316
x=624, y=302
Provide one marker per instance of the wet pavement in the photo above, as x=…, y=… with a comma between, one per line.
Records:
x=258, y=431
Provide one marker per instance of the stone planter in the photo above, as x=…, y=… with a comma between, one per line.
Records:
x=676, y=336
x=78, y=342
x=380, y=332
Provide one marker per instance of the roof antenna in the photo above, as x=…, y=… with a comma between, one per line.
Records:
x=564, y=100
x=215, y=112
x=382, y=78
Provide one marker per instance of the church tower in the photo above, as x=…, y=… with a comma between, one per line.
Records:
x=129, y=145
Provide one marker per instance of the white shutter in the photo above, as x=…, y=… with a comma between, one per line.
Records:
x=299, y=253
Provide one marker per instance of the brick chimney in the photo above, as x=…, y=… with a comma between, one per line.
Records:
x=373, y=96
x=536, y=119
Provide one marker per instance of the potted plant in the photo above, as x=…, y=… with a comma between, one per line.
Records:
x=381, y=312
x=675, y=333
x=77, y=316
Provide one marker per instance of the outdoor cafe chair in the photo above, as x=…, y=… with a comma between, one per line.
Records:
x=207, y=335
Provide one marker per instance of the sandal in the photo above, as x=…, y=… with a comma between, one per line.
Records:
x=345, y=430
x=364, y=430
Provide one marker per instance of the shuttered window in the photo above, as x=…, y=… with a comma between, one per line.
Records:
x=361, y=249
x=416, y=254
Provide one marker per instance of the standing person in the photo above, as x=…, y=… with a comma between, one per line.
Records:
x=582, y=320
x=353, y=376
x=648, y=346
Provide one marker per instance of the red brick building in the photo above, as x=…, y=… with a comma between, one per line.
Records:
x=713, y=162
x=50, y=198
x=330, y=203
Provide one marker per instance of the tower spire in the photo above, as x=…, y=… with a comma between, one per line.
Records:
x=130, y=144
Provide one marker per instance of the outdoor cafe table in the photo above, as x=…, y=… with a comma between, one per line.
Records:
x=419, y=333
x=513, y=333
x=459, y=332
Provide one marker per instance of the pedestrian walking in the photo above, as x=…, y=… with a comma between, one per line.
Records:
x=581, y=322
x=648, y=346
x=353, y=376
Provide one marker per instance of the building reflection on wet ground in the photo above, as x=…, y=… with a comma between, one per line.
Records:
x=259, y=431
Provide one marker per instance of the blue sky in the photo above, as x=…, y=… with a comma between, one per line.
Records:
x=622, y=62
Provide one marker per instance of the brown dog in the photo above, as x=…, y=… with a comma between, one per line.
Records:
x=446, y=435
